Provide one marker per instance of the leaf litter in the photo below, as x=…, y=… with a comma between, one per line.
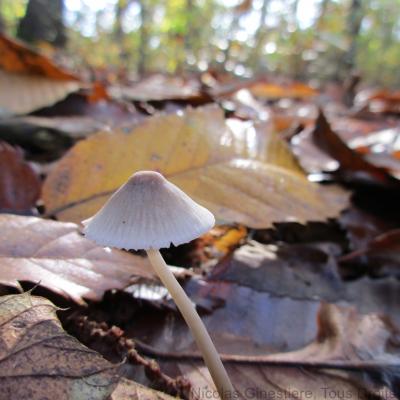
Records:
x=296, y=310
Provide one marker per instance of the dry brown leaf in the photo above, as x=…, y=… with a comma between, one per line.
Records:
x=55, y=255
x=38, y=360
x=22, y=93
x=16, y=57
x=19, y=184
x=158, y=88
x=129, y=390
x=242, y=175
x=28, y=80
x=351, y=352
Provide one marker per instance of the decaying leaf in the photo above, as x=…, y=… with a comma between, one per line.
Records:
x=264, y=341
x=349, y=161
x=129, y=390
x=382, y=254
x=304, y=271
x=19, y=184
x=55, y=255
x=242, y=175
x=28, y=80
x=38, y=360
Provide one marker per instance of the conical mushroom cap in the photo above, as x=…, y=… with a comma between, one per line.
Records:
x=148, y=212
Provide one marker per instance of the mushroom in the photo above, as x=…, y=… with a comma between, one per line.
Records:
x=148, y=212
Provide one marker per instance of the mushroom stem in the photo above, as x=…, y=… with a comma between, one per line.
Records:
x=203, y=340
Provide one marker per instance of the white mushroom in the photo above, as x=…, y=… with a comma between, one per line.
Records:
x=150, y=213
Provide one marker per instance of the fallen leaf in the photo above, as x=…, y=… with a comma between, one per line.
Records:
x=301, y=271
x=38, y=360
x=270, y=90
x=54, y=255
x=380, y=101
x=129, y=390
x=242, y=175
x=158, y=88
x=350, y=162
x=313, y=158
x=16, y=57
x=362, y=227
x=380, y=148
x=22, y=94
x=19, y=184
x=381, y=255
x=281, y=346
x=28, y=80
x=304, y=271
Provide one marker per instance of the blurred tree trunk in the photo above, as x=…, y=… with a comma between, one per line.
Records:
x=144, y=37
x=321, y=17
x=354, y=21
x=43, y=21
x=2, y=24
x=121, y=7
x=232, y=30
x=259, y=37
x=189, y=39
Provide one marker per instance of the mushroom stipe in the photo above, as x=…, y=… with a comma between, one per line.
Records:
x=150, y=213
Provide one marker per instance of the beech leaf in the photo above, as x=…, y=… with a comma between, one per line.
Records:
x=39, y=360
x=244, y=174
x=55, y=255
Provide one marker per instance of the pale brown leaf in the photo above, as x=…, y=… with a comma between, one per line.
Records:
x=129, y=390
x=38, y=360
x=55, y=255
x=23, y=93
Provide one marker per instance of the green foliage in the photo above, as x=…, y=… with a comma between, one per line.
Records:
x=11, y=11
x=180, y=35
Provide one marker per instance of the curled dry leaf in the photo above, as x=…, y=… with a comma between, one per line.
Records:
x=28, y=80
x=55, y=255
x=39, y=360
x=241, y=175
x=19, y=184
x=350, y=162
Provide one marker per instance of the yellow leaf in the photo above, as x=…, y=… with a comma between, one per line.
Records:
x=242, y=175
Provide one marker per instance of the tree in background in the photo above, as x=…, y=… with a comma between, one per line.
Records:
x=43, y=22
x=247, y=38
